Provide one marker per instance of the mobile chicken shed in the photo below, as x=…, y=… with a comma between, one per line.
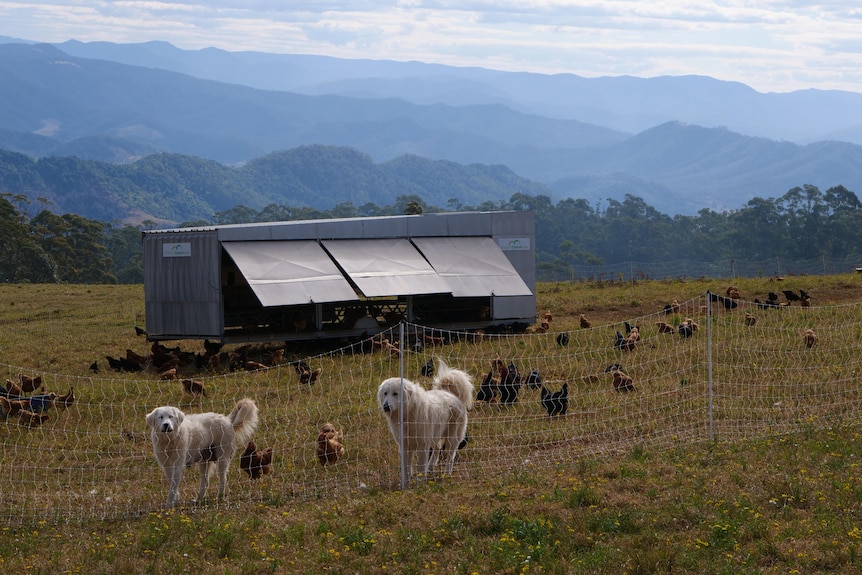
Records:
x=340, y=278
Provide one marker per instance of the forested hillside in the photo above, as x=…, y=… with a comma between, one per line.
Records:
x=172, y=188
x=804, y=223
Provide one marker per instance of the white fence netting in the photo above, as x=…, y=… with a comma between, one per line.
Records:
x=733, y=378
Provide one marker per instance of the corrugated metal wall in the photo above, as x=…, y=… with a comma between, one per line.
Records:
x=182, y=285
x=511, y=233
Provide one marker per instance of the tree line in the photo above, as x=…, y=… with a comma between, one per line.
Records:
x=804, y=223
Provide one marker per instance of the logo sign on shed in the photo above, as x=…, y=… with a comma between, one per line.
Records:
x=180, y=250
x=513, y=244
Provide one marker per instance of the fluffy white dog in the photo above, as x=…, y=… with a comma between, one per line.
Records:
x=207, y=439
x=434, y=421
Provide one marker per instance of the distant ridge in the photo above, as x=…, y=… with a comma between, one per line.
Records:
x=622, y=103
x=493, y=144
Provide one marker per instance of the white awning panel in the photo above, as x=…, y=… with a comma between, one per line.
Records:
x=386, y=267
x=289, y=272
x=473, y=266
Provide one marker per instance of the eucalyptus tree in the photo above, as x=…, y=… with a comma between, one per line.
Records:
x=21, y=258
x=77, y=246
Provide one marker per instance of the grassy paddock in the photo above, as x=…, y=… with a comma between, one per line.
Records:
x=626, y=484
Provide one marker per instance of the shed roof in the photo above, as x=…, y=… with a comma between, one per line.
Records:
x=386, y=267
x=289, y=272
x=473, y=266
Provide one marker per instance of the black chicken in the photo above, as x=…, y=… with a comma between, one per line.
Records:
x=486, y=388
x=115, y=363
x=563, y=339
x=428, y=368
x=510, y=383
x=534, y=379
x=728, y=303
x=557, y=402
x=790, y=295
x=212, y=347
x=123, y=364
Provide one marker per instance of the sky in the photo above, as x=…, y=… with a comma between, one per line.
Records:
x=770, y=45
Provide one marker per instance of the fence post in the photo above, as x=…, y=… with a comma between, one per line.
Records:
x=404, y=464
x=709, y=360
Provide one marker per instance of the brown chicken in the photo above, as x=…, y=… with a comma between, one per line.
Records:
x=330, y=444
x=194, y=388
x=256, y=462
x=306, y=375
x=29, y=384
x=385, y=345
x=433, y=341
x=168, y=374
x=65, y=401
x=29, y=418
x=136, y=357
x=11, y=407
x=13, y=389
x=622, y=382
x=252, y=365
x=276, y=357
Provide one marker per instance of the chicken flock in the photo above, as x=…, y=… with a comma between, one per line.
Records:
x=27, y=402
x=19, y=401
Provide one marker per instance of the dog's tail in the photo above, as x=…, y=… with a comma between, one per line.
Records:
x=244, y=420
x=456, y=381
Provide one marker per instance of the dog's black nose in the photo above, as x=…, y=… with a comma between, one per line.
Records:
x=166, y=427
x=386, y=407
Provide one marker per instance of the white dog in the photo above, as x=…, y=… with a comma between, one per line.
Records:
x=207, y=439
x=434, y=421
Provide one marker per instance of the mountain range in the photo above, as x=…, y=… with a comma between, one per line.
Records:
x=680, y=143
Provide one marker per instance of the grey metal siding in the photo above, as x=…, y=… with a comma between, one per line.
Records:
x=428, y=225
x=517, y=225
x=183, y=294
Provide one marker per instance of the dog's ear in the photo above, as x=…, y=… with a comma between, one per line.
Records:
x=179, y=415
x=151, y=418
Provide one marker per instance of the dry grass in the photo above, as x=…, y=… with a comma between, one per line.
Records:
x=775, y=503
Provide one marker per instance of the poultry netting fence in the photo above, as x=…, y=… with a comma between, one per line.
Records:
x=736, y=373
